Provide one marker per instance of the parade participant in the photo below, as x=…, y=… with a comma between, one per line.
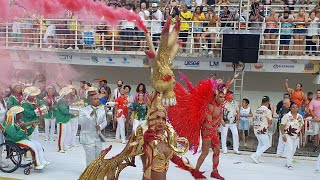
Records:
x=92, y=120
x=230, y=120
x=16, y=96
x=89, y=91
x=19, y=134
x=139, y=113
x=74, y=121
x=244, y=123
x=3, y=110
x=291, y=127
x=297, y=95
x=283, y=110
x=156, y=141
x=121, y=113
x=50, y=118
x=63, y=120
x=261, y=121
x=32, y=108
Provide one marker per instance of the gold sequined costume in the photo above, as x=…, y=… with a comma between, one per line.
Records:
x=142, y=144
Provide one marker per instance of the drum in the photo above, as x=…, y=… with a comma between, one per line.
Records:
x=43, y=110
x=74, y=110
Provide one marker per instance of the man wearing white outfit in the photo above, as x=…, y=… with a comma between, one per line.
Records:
x=139, y=113
x=230, y=120
x=291, y=126
x=92, y=120
x=74, y=121
x=261, y=121
x=50, y=119
x=281, y=144
x=121, y=112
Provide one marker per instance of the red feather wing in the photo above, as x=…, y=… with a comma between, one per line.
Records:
x=187, y=116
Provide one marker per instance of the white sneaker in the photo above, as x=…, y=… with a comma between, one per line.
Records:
x=260, y=160
x=317, y=171
x=47, y=163
x=237, y=152
x=62, y=151
x=35, y=46
x=76, y=48
x=204, y=47
x=254, y=158
x=39, y=167
x=290, y=167
x=123, y=141
x=104, y=49
x=69, y=48
x=225, y=151
x=4, y=164
x=50, y=47
x=210, y=52
x=245, y=145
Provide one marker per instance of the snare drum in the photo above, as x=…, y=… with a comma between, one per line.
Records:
x=43, y=110
x=74, y=109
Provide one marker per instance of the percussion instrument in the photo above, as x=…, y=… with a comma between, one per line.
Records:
x=43, y=110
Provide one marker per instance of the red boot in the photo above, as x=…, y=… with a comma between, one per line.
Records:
x=216, y=175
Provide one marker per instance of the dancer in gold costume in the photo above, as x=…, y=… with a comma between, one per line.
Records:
x=156, y=141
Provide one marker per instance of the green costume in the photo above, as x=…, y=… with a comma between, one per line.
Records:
x=63, y=116
x=140, y=111
x=51, y=110
x=28, y=115
x=14, y=133
x=12, y=101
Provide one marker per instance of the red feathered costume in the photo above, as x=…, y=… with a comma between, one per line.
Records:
x=194, y=114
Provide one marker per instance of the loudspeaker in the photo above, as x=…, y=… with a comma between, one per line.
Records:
x=240, y=46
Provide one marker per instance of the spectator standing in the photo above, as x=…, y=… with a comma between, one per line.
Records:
x=314, y=107
x=300, y=21
x=244, y=123
x=256, y=18
x=211, y=31
x=286, y=32
x=156, y=18
x=197, y=17
x=121, y=112
x=271, y=32
x=224, y=2
x=127, y=31
x=312, y=34
x=139, y=113
x=224, y=17
x=185, y=16
x=297, y=95
x=144, y=15
x=103, y=99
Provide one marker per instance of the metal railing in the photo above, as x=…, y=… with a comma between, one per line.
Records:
x=200, y=39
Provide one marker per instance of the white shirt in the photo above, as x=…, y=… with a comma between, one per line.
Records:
x=260, y=120
x=141, y=14
x=230, y=112
x=244, y=113
x=3, y=111
x=156, y=27
x=127, y=24
x=116, y=94
x=313, y=27
x=292, y=126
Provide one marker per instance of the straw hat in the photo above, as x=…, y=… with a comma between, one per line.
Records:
x=92, y=89
x=64, y=91
x=71, y=87
x=13, y=85
x=50, y=87
x=15, y=110
x=32, y=91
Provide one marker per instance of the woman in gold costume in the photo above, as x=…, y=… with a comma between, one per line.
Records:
x=155, y=141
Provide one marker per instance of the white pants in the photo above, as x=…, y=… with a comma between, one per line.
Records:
x=281, y=146
x=263, y=144
x=235, y=136
x=136, y=123
x=121, y=128
x=92, y=151
x=50, y=127
x=290, y=148
x=318, y=163
x=35, y=133
x=1, y=148
x=74, y=130
x=37, y=149
x=64, y=136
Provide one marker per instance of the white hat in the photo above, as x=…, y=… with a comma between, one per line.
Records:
x=32, y=91
x=154, y=5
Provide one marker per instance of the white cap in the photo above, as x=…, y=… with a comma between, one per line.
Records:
x=154, y=5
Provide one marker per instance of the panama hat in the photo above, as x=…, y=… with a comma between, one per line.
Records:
x=92, y=89
x=15, y=110
x=32, y=91
x=64, y=91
